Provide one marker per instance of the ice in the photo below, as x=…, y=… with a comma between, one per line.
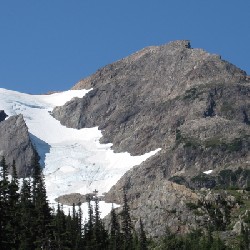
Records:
x=208, y=171
x=74, y=161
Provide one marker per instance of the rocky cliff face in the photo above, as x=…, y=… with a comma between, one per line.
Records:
x=2, y=115
x=186, y=101
x=143, y=98
x=16, y=145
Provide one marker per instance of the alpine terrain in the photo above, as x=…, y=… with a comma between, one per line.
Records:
x=168, y=124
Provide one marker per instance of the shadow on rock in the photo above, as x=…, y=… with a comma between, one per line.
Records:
x=42, y=148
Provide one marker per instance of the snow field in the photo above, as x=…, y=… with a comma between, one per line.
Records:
x=74, y=161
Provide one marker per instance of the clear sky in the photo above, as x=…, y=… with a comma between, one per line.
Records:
x=51, y=44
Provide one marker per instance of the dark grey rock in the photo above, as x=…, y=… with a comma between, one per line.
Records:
x=190, y=103
x=75, y=198
x=15, y=144
x=141, y=99
x=2, y=115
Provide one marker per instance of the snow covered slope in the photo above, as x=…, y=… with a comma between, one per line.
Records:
x=74, y=161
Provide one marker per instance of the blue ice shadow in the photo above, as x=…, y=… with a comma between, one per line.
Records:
x=41, y=147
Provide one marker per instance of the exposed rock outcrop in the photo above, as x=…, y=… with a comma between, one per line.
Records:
x=154, y=97
x=163, y=200
x=16, y=145
x=190, y=103
x=141, y=99
x=2, y=115
x=75, y=198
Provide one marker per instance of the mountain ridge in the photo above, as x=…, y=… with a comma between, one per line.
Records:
x=186, y=101
x=16, y=144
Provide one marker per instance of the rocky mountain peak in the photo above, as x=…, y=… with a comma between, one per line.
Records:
x=2, y=115
x=143, y=98
x=188, y=102
x=172, y=63
x=16, y=144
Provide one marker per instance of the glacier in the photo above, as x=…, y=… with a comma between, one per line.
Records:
x=73, y=160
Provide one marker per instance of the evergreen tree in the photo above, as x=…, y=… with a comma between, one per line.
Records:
x=100, y=234
x=42, y=209
x=97, y=225
x=126, y=223
x=136, y=241
x=89, y=239
x=79, y=240
x=171, y=241
x=4, y=181
x=244, y=238
x=27, y=217
x=75, y=229
x=59, y=228
x=68, y=233
x=5, y=228
x=13, y=209
x=142, y=238
x=115, y=235
x=36, y=175
x=218, y=244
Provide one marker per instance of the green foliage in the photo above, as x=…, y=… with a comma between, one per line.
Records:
x=229, y=179
x=202, y=180
x=237, y=144
x=227, y=108
x=196, y=240
x=190, y=143
x=192, y=206
x=115, y=234
x=191, y=94
x=142, y=238
x=27, y=222
x=127, y=227
x=178, y=136
x=213, y=142
x=178, y=179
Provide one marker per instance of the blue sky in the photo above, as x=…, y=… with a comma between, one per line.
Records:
x=51, y=44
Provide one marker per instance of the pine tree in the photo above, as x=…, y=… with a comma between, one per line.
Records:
x=89, y=238
x=244, y=238
x=59, y=227
x=126, y=223
x=79, y=240
x=4, y=180
x=13, y=209
x=218, y=244
x=100, y=234
x=27, y=217
x=75, y=230
x=97, y=225
x=42, y=209
x=5, y=228
x=136, y=241
x=142, y=238
x=36, y=175
x=115, y=235
x=68, y=244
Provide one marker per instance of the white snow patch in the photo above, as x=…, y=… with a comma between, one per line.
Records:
x=208, y=171
x=74, y=161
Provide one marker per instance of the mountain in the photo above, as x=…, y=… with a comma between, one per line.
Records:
x=177, y=119
x=188, y=102
x=16, y=144
x=73, y=160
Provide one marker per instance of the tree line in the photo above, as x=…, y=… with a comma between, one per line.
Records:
x=28, y=222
